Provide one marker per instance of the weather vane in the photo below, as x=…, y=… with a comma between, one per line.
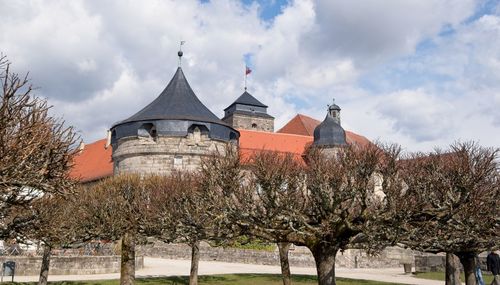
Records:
x=333, y=103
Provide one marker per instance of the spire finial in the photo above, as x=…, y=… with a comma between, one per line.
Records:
x=180, y=53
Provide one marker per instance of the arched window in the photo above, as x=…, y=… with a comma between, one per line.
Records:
x=254, y=126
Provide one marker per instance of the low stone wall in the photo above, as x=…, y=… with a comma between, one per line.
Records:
x=428, y=262
x=298, y=256
x=68, y=265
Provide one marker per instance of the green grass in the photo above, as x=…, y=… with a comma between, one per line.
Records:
x=440, y=276
x=229, y=279
x=244, y=242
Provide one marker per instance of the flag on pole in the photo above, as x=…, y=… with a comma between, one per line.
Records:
x=248, y=70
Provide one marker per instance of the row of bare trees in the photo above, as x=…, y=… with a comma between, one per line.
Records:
x=359, y=196
x=364, y=197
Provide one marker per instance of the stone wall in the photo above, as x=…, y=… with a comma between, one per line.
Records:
x=240, y=121
x=68, y=265
x=298, y=256
x=428, y=262
x=163, y=154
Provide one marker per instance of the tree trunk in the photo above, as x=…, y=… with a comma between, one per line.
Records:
x=324, y=257
x=469, y=264
x=44, y=270
x=195, y=260
x=127, y=273
x=452, y=270
x=283, y=248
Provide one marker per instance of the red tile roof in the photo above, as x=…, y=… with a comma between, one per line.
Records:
x=252, y=141
x=93, y=162
x=300, y=125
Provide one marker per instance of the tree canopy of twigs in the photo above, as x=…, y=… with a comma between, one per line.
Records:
x=115, y=209
x=449, y=203
x=36, y=149
x=322, y=205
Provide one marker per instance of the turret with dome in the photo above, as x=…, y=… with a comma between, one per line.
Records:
x=329, y=133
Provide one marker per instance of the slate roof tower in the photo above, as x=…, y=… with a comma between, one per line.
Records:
x=171, y=133
x=329, y=133
x=248, y=113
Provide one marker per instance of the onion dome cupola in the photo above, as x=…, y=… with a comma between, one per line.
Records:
x=248, y=113
x=330, y=133
x=174, y=112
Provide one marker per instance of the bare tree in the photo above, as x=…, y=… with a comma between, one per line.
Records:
x=112, y=210
x=449, y=204
x=182, y=212
x=37, y=152
x=47, y=220
x=322, y=205
x=36, y=149
x=277, y=179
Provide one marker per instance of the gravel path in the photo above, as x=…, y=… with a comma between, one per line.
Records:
x=155, y=267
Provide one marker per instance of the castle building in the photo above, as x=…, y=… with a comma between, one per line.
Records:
x=175, y=131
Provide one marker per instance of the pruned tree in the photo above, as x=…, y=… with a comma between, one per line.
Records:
x=114, y=210
x=449, y=204
x=276, y=180
x=322, y=205
x=47, y=221
x=36, y=149
x=180, y=211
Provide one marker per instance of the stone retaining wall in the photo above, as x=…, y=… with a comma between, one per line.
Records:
x=298, y=256
x=69, y=265
x=428, y=262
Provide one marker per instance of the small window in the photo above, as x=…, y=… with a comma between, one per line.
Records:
x=254, y=126
x=177, y=161
x=233, y=136
x=147, y=130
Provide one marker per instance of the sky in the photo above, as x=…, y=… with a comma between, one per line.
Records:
x=421, y=73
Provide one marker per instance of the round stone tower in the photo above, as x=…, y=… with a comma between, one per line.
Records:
x=329, y=134
x=171, y=133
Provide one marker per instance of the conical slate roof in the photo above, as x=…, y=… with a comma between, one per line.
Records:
x=176, y=102
x=247, y=99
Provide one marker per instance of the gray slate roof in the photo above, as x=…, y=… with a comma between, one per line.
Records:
x=329, y=133
x=247, y=99
x=176, y=102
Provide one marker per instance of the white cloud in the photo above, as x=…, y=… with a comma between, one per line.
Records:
x=100, y=62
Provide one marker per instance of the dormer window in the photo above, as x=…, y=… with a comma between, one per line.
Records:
x=147, y=130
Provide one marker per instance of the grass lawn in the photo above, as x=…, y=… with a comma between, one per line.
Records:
x=440, y=276
x=229, y=279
